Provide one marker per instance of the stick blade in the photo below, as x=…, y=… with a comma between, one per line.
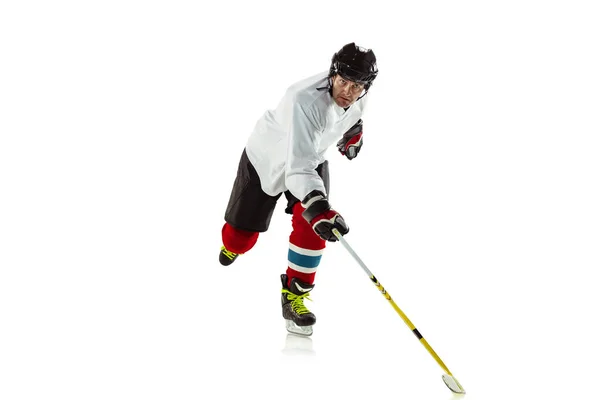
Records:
x=453, y=384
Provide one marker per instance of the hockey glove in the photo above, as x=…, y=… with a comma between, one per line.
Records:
x=350, y=144
x=321, y=217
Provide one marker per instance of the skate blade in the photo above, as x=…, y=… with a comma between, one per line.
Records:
x=298, y=330
x=453, y=384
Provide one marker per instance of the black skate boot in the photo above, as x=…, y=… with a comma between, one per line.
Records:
x=298, y=319
x=227, y=257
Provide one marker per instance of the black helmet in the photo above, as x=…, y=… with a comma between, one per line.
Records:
x=355, y=64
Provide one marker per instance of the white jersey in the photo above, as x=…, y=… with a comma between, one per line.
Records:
x=289, y=142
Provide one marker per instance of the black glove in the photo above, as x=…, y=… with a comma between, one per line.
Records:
x=321, y=217
x=350, y=144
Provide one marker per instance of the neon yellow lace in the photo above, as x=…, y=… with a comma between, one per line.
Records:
x=229, y=254
x=297, y=301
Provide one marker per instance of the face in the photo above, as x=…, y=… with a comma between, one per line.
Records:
x=345, y=92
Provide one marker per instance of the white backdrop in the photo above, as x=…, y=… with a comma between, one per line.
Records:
x=474, y=201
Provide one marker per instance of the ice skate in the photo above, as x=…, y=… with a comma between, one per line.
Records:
x=298, y=319
x=227, y=257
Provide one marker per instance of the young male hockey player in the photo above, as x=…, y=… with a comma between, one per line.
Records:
x=286, y=154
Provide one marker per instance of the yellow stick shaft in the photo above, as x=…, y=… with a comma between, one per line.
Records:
x=389, y=298
x=410, y=325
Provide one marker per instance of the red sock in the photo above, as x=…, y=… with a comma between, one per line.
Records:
x=238, y=240
x=306, y=248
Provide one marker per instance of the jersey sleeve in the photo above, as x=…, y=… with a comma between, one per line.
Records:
x=302, y=159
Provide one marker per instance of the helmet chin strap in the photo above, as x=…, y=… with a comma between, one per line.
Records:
x=364, y=94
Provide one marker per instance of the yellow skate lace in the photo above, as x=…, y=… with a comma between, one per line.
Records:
x=297, y=301
x=229, y=254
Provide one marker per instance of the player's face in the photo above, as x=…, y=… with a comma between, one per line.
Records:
x=346, y=92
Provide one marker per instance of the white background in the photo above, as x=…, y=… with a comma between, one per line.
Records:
x=475, y=201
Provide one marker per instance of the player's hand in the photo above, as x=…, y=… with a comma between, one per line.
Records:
x=349, y=145
x=323, y=219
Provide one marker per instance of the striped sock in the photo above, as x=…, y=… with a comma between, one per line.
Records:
x=303, y=263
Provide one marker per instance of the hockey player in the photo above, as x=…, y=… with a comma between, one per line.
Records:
x=286, y=154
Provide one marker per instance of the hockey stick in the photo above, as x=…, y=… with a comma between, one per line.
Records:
x=448, y=378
